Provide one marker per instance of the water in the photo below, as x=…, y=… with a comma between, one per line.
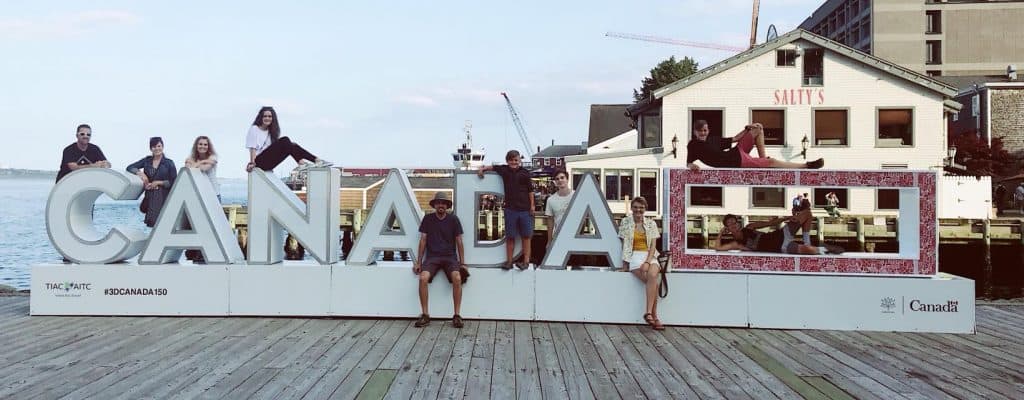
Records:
x=23, y=239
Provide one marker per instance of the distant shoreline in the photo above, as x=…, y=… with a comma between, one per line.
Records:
x=26, y=173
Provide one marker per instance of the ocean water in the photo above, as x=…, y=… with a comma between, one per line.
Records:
x=23, y=239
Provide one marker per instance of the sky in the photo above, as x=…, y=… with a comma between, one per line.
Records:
x=363, y=84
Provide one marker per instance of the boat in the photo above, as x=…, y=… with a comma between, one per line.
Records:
x=465, y=158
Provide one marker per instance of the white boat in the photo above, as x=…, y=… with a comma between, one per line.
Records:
x=466, y=158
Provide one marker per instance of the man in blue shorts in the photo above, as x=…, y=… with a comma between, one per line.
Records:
x=440, y=238
x=519, y=206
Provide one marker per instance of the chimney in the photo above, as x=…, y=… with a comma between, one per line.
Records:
x=1011, y=72
x=552, y=142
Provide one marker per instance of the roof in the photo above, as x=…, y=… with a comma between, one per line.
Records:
x=423, y=182
x=359, y=182
x=608, y=121
x=800, y=34
x=560, y=150
x=967, y=82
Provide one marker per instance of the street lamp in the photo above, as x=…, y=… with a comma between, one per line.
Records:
x=675, y=146
x=805, y=143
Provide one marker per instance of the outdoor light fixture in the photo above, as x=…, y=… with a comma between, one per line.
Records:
x=951, y=159
x=675, y=146
x=805, y=143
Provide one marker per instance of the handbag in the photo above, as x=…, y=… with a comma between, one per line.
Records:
x=144, y=205
x=663, y=260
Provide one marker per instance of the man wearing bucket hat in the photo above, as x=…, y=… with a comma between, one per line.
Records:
x=440, y=239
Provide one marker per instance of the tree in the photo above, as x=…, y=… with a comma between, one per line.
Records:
x=663, y=74
x=980, y=159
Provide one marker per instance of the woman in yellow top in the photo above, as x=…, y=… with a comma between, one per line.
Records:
x=640, y=256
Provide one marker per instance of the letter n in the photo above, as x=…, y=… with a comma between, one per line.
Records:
x=587, y=203
x=395, y=203
x=273, y=208
x=194, y=200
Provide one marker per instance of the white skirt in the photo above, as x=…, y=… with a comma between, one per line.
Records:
x=637, y=259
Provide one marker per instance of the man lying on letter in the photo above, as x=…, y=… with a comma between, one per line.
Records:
x=778, y=240
x=440, y=236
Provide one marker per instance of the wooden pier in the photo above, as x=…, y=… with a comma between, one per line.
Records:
x=150, y=357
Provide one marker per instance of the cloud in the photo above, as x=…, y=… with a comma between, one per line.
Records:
x=65, y=25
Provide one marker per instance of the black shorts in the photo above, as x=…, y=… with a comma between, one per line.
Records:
x=448, y=264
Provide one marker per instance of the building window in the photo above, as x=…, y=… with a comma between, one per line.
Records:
x=578, y=174
x=706, y=196
x=934, y=21
x=774, y=122
x=933, y=52
x=538, y=161
x=821, y=197
x=888, y=199
x=650, y=130
x=895, y=128
x=933, y=72
x=618, y=184
x=768, y=197
x=831, y=128
x=558, y=161
x=785, y=58
x=814, y=72
x=649, y=188
x=712, y=117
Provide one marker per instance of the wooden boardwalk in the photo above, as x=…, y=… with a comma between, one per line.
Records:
x=241, y=358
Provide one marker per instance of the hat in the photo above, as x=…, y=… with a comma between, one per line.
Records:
x=441, y=196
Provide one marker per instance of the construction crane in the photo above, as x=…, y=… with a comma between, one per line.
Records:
x=519, y=127
x=703, y=45
x=658, y=39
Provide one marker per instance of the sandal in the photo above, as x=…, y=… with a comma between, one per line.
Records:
x=457, y=321
x=649, y=319
x=423, y=321
x=657, y=325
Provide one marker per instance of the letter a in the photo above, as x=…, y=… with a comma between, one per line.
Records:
x=588, y=201
x=194, y=198
x=396, y=199
x=273, y=208
x=69, y=217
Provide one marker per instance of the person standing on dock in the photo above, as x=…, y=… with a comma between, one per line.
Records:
x=81, y=153
x=519, y=207
x=1018, y=195
x=639, y=236
x=440, y=242
x=716, y=152
x=267, y=148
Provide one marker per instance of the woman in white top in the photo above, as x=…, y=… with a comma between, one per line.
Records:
x=205, y=158
x=639, y=237
x=267, y=148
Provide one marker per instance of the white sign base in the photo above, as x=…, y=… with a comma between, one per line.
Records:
x=905, y=304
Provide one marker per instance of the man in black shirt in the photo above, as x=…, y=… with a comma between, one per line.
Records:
x=82, y=154
x=719, y=153
x=440, y=240
x=749, y=238
x=519, y=206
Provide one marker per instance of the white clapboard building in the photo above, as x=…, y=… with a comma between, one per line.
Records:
x=856, y=111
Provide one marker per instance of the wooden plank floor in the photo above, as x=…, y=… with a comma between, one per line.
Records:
x=150, y=357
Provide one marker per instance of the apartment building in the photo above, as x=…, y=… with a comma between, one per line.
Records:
x=934, y=37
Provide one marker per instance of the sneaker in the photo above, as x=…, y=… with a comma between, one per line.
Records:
x=833, y=249
x=457, y=321
x=523, y=266
x=507, y=267
x=322, y=163
x=816, y=164
x=423, y=321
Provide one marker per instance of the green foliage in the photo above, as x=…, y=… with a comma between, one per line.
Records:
x=663, y=74
x=980, y=159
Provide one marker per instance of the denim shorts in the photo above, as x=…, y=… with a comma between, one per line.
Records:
x=518, y=224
